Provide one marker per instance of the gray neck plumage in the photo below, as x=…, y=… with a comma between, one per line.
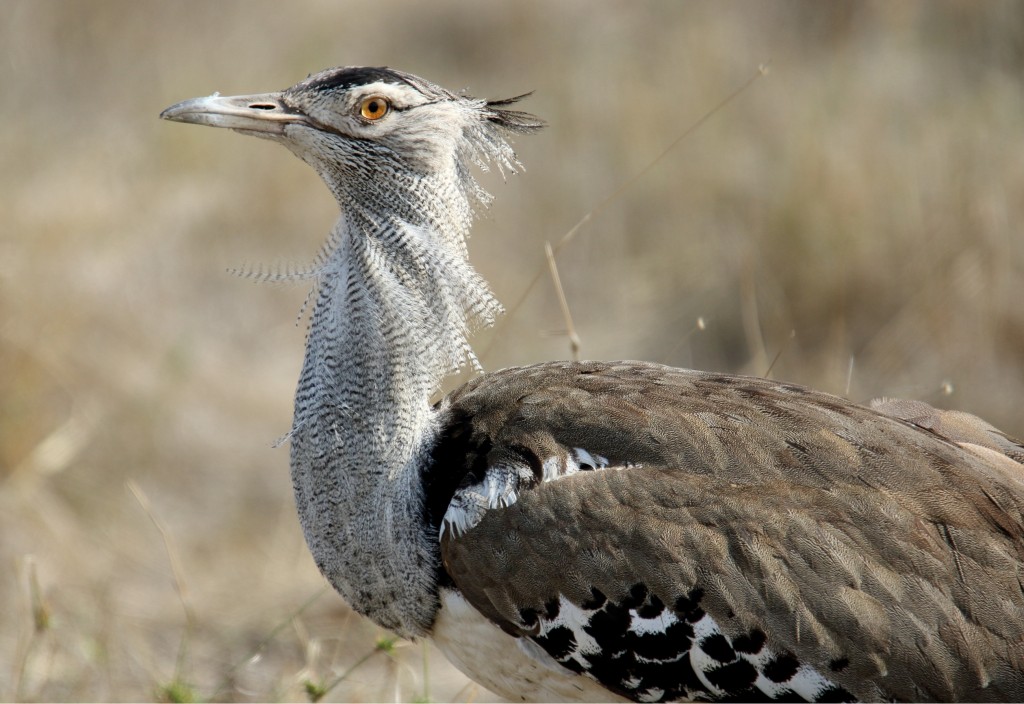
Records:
x=395, y=305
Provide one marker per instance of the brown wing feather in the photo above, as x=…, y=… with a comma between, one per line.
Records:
x=840, y=532
x=968, y=431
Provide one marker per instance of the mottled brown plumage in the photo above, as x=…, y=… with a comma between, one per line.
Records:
x=967, y=430
x=839, y=531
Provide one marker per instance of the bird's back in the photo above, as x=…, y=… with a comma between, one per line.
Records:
x=675, y=533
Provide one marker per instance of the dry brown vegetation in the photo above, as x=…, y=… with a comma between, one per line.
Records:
x=863, y=202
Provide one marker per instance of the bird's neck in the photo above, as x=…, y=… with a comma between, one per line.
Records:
x=396, y=302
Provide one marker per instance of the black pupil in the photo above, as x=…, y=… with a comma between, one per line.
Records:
x=373, y=107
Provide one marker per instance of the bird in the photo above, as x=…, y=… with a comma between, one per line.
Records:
x=610, y=530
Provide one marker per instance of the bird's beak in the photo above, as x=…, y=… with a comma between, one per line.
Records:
x=265, y=114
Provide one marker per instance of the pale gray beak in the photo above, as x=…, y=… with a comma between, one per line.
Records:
x=265, y=113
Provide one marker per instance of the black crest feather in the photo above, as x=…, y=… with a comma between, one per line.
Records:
x=513, y=120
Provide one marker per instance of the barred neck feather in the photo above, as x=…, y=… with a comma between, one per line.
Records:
x=396, y=303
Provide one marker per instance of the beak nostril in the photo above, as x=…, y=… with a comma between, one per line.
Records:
x=262, y=106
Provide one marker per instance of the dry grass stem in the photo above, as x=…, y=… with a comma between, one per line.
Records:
x=570, y=329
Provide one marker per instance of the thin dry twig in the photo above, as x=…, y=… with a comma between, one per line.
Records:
x=226, y=683
x=570, y=329
x=316, y=692
x=751, y=318
x=176, y=571
x=768, y=372
x=700, y=325
x=40, y=624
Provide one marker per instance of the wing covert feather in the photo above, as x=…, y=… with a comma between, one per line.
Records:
x=843, y=534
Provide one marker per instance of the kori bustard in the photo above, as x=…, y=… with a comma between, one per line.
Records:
x=609, y=530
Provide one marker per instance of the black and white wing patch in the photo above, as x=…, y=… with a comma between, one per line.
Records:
x=502, y=483
x=635, y=644
x=648, y=651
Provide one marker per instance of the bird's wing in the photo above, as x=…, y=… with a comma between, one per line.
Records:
x=968, y=431
x=678, y=534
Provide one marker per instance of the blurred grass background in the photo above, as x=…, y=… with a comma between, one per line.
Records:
x=863, y=202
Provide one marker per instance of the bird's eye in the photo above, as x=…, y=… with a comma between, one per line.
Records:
x=374, y=108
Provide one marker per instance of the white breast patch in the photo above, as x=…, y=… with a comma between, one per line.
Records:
x=515, y=668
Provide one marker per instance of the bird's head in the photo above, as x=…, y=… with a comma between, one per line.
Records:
x=365, y=128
